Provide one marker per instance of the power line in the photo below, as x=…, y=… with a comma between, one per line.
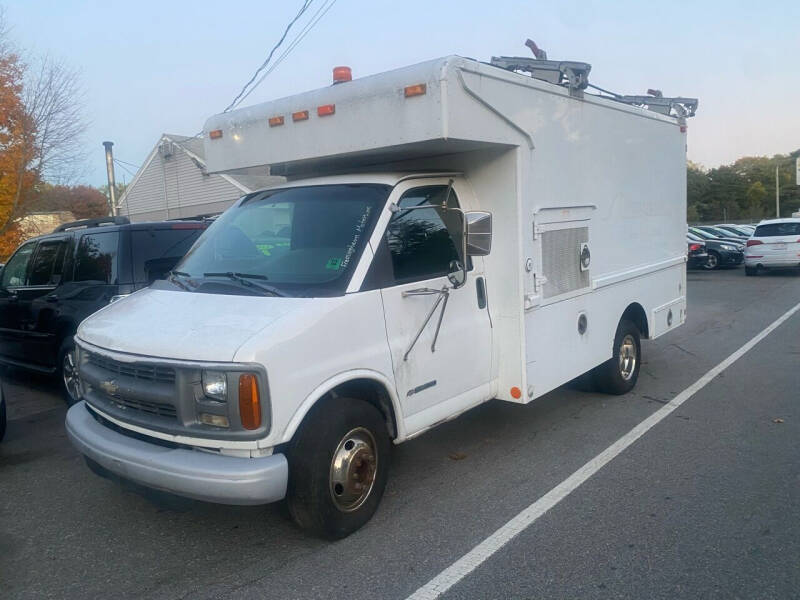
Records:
x=303, y=8
x=321, y=12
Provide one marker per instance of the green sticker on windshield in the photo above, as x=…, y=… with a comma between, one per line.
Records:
x=265, y=248
x=334, y=264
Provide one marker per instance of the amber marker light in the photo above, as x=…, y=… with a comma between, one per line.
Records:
x=275, y=121
x=300, y=116
x=516, y=393
x=249, y=401
x=415, y=90
x=215, y=134
x=325, y=110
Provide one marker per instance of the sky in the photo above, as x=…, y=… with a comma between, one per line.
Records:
x=153, y=67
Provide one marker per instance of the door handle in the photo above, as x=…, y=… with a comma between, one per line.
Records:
x=13, y=298
x=52, y=298
x=480, y=289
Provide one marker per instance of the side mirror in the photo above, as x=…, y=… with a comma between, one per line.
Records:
x=479, y=233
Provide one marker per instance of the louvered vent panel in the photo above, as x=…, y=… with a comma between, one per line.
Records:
x=561, y=261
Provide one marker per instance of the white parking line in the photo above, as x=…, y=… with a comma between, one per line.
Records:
x=483, y=551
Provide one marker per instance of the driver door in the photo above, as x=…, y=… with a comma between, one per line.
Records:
x=436, y=376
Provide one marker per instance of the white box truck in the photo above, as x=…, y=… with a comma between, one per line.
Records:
x=449, y=233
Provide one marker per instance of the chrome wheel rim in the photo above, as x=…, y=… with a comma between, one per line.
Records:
x=70, y=375
x=353, y=468
x=711, y=261
x=627, y=357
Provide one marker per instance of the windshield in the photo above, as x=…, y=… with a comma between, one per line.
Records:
x=302, y=241
x=704, y=234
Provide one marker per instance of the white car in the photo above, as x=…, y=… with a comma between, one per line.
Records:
x=775, y=243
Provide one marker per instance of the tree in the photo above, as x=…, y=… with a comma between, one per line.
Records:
x=755, y=200
x=83, y=201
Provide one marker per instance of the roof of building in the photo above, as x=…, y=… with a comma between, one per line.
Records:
x=247, y=181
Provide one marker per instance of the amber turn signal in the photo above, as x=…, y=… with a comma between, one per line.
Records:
x=249, y=401
x=416, y=90
x=275, y=121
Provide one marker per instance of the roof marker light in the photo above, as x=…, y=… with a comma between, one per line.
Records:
x=325, y=110
x=342, y=75
x=301, y=115
x=215, y=134
x=275, y=121
x=415, y=90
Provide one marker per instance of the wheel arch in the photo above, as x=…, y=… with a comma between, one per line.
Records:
x=370, y=386
x=636, y=314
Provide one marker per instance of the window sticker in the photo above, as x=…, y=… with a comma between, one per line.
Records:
x=334, y=264
x=265, y=248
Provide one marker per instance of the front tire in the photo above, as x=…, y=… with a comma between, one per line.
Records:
x=712, y=262
x=618, y=375
x=338, y=467
x=751, y=271
x=68, y=372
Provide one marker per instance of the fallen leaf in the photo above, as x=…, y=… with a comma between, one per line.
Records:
x=777, y=420
x=456, y=456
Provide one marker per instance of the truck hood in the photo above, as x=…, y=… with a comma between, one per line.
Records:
x=181, y=325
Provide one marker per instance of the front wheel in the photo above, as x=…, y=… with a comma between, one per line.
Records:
x=712, y=262
x=338, y=467
x=618, y=374
x=68, y=372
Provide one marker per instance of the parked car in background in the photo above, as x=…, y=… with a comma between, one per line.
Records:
x=696, y=255
x=745, y=230
x=720, y=253
x=53, y=282
x=2, y=412
x=775, y=244
x=706, y=236
x=723, y=234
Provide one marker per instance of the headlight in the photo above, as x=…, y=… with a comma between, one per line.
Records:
x=215, y=385
x=727, y=247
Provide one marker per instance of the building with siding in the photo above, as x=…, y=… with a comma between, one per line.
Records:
x=173, y=183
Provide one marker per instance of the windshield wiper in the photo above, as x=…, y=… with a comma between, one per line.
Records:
x=244, y=279
x=173, y=277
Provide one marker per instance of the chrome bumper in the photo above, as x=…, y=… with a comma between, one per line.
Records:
x=194, y=474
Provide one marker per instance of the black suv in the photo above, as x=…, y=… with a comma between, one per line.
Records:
x=53, y=282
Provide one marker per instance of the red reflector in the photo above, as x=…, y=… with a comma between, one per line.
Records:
x=342, y=74
x=215, y=134
x=753, y=243
x=275, y=121
x=326, y=109
x=300, y=115
x=415, y=90
x=683, y=128
x=695, y=247
x=189, y=226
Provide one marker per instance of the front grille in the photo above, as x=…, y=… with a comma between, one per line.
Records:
x=135, y=370
x=153, y=408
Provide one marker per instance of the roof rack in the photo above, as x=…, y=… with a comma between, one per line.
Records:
x=575, y=76
x=201, y=217
x=86, y=223
x=571, y=74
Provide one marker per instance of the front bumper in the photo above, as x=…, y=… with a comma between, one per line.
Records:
x=730, y=257
x=191, y=473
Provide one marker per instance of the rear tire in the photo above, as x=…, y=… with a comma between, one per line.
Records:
x=68, y=372
x=751, y=271
x=338, y=467
x=618, y=375
x=2, y=416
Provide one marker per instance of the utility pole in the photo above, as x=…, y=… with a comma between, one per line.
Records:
x=777, y=193
x=112, y=186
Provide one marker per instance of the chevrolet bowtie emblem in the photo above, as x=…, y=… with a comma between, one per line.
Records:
x=109, y=387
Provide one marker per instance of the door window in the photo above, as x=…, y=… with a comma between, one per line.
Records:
x=96, y=259
x=48, y=264
x=15, y=273
x=157, y=251
x=420, y=244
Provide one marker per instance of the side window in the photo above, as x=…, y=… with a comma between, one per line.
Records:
x=15, y=273
x=48, y=263
x=157, y=251
x=420, y=244
x=96, y=258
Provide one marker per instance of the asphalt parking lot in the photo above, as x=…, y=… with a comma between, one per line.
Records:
x=706, y=504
